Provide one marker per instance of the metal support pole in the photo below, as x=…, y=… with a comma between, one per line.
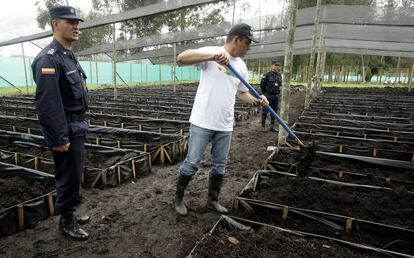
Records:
x=114, y=63
x=90, y=71
x=160, y=73
x=31, y=74
x=130, y=73
x=411, y=86
x=175, y=67
x=25, y=69
x=140, y=72
x=96, y=72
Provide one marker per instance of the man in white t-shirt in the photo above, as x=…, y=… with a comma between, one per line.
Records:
x=213, y=110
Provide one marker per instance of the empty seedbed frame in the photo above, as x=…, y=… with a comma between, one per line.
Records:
x=163, y=147
x=362, y=214
x=27, y=197
x=135, y=110
x=286, y=159
x=103, y=166
x=355, y=117
x=125, y=121
x=235, y=237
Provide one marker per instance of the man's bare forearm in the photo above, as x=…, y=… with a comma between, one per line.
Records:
x=190, y=57
x=249, y=98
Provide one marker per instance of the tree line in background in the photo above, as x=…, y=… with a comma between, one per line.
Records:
x=194, y=17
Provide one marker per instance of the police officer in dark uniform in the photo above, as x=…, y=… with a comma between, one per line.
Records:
x=61, y=103
x=271, y=84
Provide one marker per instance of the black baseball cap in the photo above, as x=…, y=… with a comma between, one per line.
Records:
x=275, y=62
x=63, y=12
x=243, y=30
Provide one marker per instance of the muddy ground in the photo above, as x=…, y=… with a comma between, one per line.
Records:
x=266, y=241
x=138, y=220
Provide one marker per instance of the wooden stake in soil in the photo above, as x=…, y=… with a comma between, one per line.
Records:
x=20, y=216
x=348, y=226
x=50, y=205
x=17, y=158
x=118, y=172
x=134, y=173
x=36, y=163
x=285, y=213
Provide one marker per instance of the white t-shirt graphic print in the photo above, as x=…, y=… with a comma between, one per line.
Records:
x=216, y=94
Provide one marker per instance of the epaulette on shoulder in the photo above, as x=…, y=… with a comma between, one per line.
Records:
x=51, y=51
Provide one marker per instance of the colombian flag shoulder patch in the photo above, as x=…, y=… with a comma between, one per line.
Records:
x=48, y=71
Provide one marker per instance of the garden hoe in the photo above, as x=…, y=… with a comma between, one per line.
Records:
x=307, y=152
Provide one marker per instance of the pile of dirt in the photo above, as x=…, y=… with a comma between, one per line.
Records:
x=267, y=242
x=15, y=190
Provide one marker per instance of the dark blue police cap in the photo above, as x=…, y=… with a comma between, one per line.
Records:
x=275, y=62
x=63, y=12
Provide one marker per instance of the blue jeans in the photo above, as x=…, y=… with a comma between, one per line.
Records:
x=199, y=138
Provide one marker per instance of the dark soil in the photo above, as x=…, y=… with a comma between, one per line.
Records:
x=268, y=242
x=292, y=157
x=369, y=179
x=138, y=220
x=16, y=190
x=387, y=207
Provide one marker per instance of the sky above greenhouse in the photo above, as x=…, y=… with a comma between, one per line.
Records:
x=19, y=19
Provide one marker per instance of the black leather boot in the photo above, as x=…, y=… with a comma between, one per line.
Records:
x=82, y=219
x=71, y=230
x=214, y=186
x=182, y=183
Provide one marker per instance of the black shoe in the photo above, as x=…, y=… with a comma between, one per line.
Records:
x=82, y=219
x=70, y=229
x=272, y=129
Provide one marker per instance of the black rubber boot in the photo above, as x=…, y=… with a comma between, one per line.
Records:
x=214, y=186
x=70, y=229
x=264, y=122
x=179, y=194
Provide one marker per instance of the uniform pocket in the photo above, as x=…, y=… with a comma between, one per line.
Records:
x=75, y=82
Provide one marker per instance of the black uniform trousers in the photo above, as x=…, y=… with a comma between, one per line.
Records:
x=68, y=172
x=273, y=103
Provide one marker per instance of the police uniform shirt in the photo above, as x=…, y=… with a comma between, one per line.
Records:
x=61, y=90
x=270, y=83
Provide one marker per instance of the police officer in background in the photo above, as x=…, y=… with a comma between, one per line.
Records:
x=61, y=103
x=270, y=85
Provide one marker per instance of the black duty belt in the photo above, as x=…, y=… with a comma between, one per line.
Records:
x=73, y=118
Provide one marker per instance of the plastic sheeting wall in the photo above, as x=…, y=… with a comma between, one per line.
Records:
x=12, y=70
